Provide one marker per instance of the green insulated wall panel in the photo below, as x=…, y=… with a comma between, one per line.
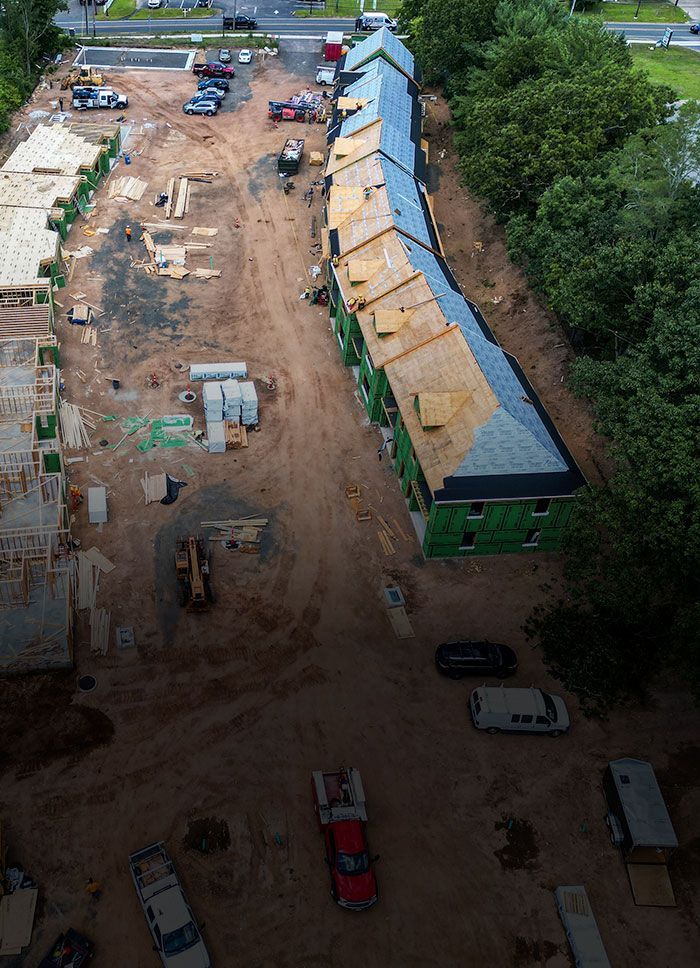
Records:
x=495, y=528
x=374, y=386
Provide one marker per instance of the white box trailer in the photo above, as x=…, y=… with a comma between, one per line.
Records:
x=581, y=928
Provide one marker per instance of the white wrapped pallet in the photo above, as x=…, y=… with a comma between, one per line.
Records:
x=216, y=437
x=217, y=371
x=213, y=400
x=249, y=403
x=232, y=400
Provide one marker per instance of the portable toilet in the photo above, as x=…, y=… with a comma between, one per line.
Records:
x=334, y=45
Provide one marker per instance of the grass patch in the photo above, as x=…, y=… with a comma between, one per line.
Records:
x=174, y=13
x=650, y=12
x=680, y=69
x=118, y=10
x=349, y=8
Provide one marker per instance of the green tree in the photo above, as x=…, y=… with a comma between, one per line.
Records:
x=448, y=36
x=29, y=32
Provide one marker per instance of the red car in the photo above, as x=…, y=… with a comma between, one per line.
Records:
x=340, y=808
x=214, y=69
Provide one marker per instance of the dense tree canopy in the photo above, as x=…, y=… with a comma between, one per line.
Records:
x=27, y=34
x=596, y=175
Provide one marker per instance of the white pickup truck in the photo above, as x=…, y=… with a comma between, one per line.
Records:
x=98, y=97
x=177, y=938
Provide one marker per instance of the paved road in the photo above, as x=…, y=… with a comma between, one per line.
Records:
x=276, y=18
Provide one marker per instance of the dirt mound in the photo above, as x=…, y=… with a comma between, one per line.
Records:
x=208, y=835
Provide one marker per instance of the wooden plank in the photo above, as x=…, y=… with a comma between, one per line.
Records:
x=181, y=199
x=18, y=911
x=401, y=531
x=400, y=622
x=99, y=560
x=171, y=191
x=384, y=524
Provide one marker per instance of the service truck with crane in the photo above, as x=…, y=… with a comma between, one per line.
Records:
x=98, y=97
x=339, y=802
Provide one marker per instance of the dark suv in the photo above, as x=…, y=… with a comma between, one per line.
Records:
x=240, y=22
x=459, y=659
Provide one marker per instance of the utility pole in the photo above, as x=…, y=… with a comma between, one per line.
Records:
x=87, y=28
x=94, y=28
x=636, y=12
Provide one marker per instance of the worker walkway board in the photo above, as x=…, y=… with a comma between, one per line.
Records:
x=142, y=59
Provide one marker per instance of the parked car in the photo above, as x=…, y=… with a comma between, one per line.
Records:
x=225, y=55
x=213, y=82
x=458, y=659
x=211, y=95
x=695, y=28
x=500, y=710
x=375, y=21
x=201, y=107
x=245, y=23
x=245, y=56
x=154, y=4
x=213, y=69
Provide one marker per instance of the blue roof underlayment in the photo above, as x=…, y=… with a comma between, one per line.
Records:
x=382, y=41
x=518, y=450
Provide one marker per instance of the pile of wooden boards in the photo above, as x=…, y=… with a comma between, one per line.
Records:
x=245, y=532
x=387, y=534
x=99, y=631
x=155, y=487
x=180, y=206
x=127, y=188
x=175, y=256
x=17, y=910
x=89, y=335
x=74, y=433
x=236, y=435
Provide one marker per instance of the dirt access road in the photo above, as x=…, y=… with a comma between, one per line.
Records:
x=296, y=668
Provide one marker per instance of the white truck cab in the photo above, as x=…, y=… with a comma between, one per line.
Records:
x=98, y=97
x=498, y=709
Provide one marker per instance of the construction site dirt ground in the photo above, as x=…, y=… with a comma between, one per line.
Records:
x=222, y=716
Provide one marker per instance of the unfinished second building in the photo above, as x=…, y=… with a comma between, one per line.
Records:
x=479, y=461
x=45, y=184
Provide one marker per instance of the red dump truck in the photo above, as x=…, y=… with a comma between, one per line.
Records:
x=339, y=802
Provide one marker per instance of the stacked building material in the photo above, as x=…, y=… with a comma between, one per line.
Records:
x=249, y=404
x=217, y=437
x=213, y=402
x=217, y=371
x=232, y=400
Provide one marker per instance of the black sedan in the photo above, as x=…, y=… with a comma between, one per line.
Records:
x=459, y=659
x=220, y=83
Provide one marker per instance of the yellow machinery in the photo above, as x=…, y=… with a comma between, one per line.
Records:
x=192, y=572
x=79, y=76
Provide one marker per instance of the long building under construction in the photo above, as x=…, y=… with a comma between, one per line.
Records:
x=479, y=461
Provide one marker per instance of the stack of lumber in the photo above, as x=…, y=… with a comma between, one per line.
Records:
x=236, y=435
x=89, y=335
x=207, y=273
x=251, y=521
x=87, y=583
x=73, y=432
x=198, y=230
x=388, y=535
x=174, y=272
x=155, y=487
x=127, y=188
x=183, y=197
x=99, y=631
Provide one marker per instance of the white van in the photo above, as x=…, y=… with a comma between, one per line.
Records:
x=325, y=75
x=500, y=710
x=375, y=21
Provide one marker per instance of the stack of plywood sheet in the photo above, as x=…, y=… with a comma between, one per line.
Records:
x=231, y=390
x=217, y=437
x=127, y=188
x=249, y=403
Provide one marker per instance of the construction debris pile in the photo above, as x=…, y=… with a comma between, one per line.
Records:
x=240, y=534
x=18, y=897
